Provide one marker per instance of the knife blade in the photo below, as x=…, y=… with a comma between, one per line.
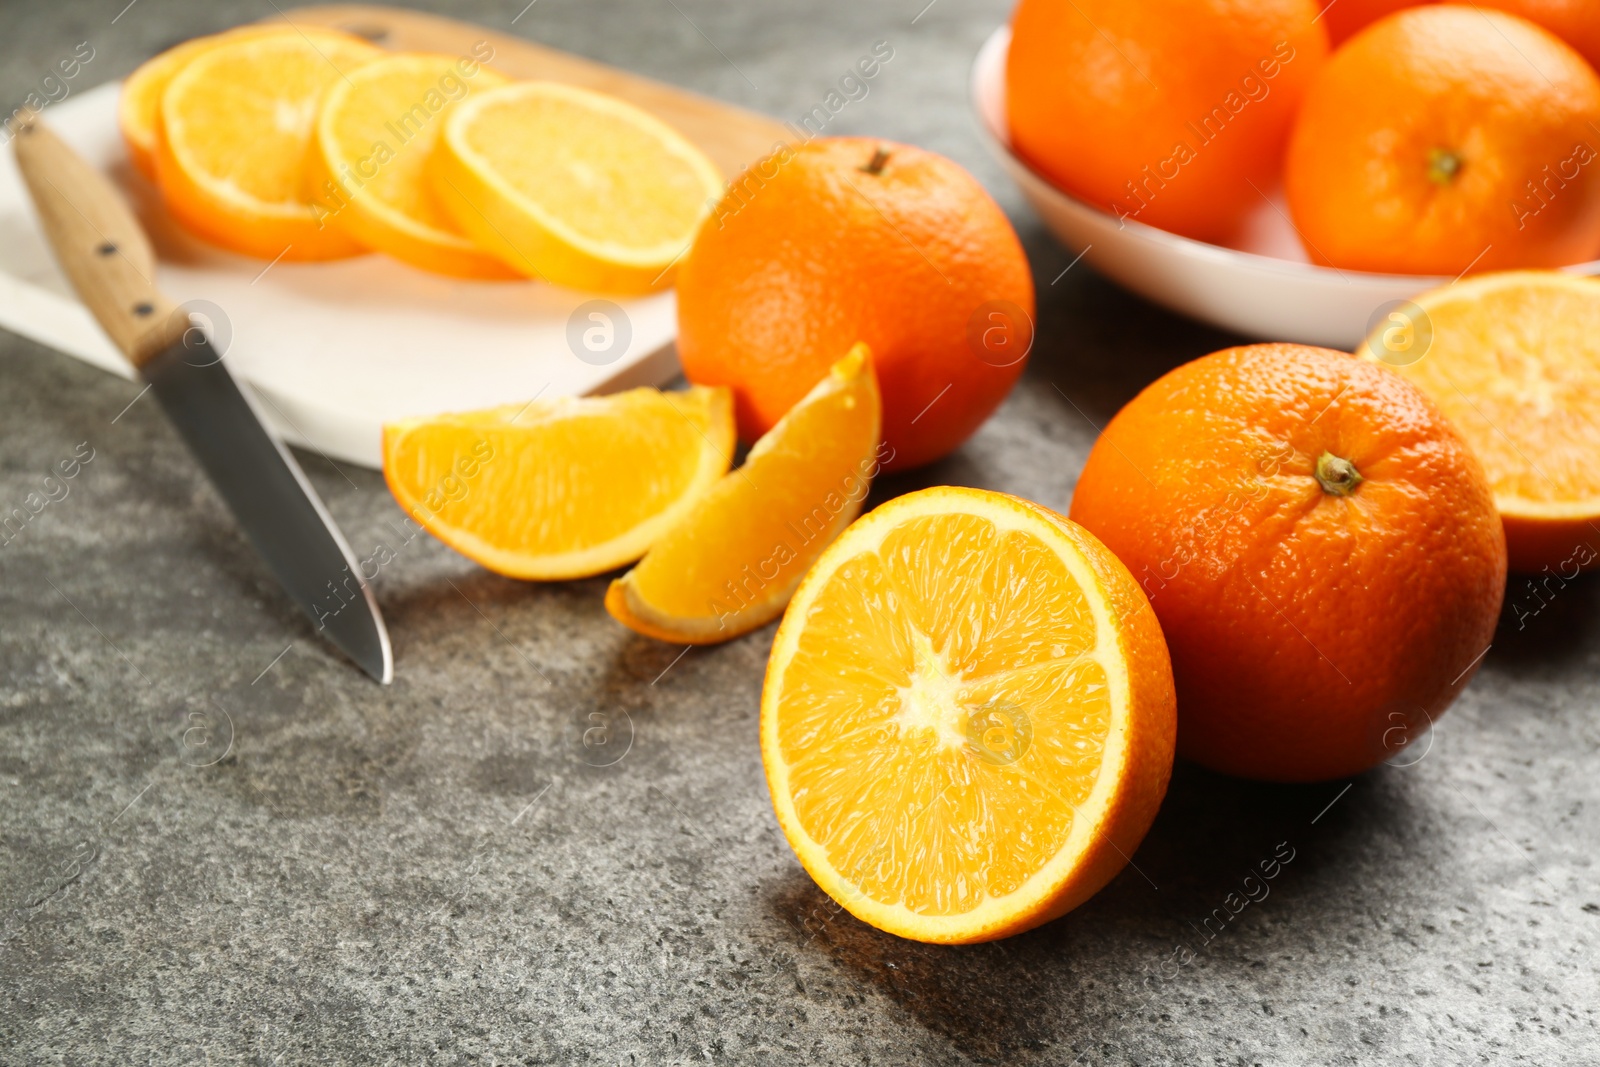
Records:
x=107, y=257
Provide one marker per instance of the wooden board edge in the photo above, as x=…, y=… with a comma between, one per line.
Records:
x=734, y=137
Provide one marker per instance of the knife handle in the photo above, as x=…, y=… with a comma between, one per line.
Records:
x=98, y=242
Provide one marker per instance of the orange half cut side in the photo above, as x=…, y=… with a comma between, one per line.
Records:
x=968, y=718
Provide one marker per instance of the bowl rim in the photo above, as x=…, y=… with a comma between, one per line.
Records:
x=986, y=88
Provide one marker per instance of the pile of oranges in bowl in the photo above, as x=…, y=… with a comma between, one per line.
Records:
x=1407, y=139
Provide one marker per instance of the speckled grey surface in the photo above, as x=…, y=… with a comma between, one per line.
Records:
x=436, y=872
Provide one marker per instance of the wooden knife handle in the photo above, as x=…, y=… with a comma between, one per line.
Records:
x=98, y=242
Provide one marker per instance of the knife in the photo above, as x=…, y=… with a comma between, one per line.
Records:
x=107, y=257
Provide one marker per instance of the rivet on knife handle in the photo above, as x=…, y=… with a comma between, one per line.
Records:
x=99, y=243
x=104, y=253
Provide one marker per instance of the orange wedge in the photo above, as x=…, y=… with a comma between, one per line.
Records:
x=563, y=488
x=236, y=128
x=1514, y=360
x=573, y=186
x=375, y=132
x=968, y=719
x=733, y=564
x=139, y=105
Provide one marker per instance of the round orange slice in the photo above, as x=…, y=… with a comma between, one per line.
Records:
x=733, y=564
x=139, y=105
x=375, y=132
x=1514, y=360
x=563, y=488
x=236, y=129
x=573, y=186
x=968, y=720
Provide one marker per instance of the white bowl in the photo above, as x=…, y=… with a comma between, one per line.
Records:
x=1262, y=286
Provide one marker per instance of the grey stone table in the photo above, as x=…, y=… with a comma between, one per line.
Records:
x=438, y=871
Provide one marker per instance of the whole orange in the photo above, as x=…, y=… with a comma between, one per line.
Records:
x=849, y=239
x=1320, y=546
x=1576, y=22
x=1171, y=112
x=1447, y=138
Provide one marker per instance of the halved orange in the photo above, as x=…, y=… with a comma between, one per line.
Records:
x=139, y=105
x=733, y=564
x=968, y=719
x=236, y=128
x=1513, y=359
x=375, y=132
x=563, y=488
x=573, y=186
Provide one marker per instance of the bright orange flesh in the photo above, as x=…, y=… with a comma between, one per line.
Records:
x=967, y=723
x=1514, y=360
x=1315, y=628
x=572, y=186
x=375, y=132
x=139, y=106
x=233, y=158
x=734, y=563
x=563, y=488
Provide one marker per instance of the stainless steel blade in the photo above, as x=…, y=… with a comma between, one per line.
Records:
x=104, y=252
x=268, y=493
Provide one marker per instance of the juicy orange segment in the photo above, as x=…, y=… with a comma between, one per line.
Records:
x=733, y=564
x=573, y=186
x=236, y=128
x=563, y=488
x=968, y=720
x=375, y=132
x=139, y=105
x=1514, y=360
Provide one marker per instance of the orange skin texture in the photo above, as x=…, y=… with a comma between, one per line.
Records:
x=1097, y=90
x=807, y=254
x=1312, y=634
x=1346, y=18
x=1504, y=97
x=1576, y=22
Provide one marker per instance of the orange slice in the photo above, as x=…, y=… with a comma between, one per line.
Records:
x=573, y=186
x=733, y=564
x=1514, y=360
x=968, y=721
x=236, y=127
x=563, y=488
x=139, y=105
x=375, y=132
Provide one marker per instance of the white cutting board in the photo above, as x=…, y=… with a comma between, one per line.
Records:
x=332, y=350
